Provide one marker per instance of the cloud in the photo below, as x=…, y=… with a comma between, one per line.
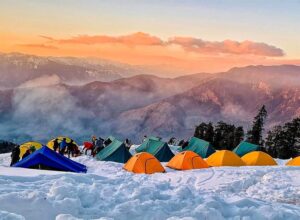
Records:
x=41, y=46
x=138, y=38
x=189, y=44
x=226, y=47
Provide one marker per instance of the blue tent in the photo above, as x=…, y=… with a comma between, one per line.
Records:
x=46, y=158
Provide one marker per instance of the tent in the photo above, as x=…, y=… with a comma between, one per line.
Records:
x=143, y=146
x=224, y=158
x=144, y=163
x=187, y=160
x=258, y=158
x=245, y=147
x=294, y=162
x=46, y=158
x=60, y=138
x=24, y=147
x=116, y=151
x=157, y=148
x=199, y=146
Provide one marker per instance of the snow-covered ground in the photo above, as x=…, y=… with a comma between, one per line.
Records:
x=109, y=192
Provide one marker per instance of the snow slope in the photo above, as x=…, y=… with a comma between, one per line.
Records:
x=109, y=192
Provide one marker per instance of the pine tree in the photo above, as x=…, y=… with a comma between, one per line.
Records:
x=238, y=136
x=255, y=135
x=209, y=133
x=200, y=130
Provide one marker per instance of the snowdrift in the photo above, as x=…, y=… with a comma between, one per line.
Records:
x=109, y=192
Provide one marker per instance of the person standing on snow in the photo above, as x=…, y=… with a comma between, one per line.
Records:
x=99, y=146
x=71, y=148
x=15, y=155
x=62, y=146
x=55, y=145
x=127, y=143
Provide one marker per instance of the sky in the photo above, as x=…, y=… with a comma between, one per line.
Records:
x=176, y=36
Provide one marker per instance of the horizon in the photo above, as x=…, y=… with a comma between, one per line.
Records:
x=196, y=37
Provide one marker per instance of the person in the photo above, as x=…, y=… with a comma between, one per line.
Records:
x=94, y=139
x=62, y=146
x=172, y=141
x=27, y=153
x=127, y=143
x=181, y=142
x=145, y=137
x=15, y=155
x=70, y=148
x=107, y=142
x=184, y=145
x=99, y=146
x=55, y=145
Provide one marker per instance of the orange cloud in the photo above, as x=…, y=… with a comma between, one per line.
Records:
x=138, y=38
x=227, y=47
x=189, y=44
x=41, y=46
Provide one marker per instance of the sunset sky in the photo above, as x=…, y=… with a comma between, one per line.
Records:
x=180, y=36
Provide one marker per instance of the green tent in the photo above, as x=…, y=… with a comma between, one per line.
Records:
x=157, y=148
x=143, y=146
x=199, y=146
x=245, y=147
x=116, y=151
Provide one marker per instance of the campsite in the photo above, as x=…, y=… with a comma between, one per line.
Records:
x=121, y=183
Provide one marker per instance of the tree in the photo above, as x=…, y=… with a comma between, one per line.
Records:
x=224, y=136
x=205, y=131
x=284, y=141
x=238, y=136
x=255, y=135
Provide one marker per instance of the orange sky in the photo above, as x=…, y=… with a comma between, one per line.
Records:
x=178, y=54
x=176, y=36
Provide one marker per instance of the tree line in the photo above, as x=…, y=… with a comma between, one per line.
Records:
x=282, y=141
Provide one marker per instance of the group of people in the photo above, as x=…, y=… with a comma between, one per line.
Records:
x=63, y=147
x=97, y=144
x=15, y=154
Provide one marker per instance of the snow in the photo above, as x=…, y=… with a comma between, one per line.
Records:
x=109, y=192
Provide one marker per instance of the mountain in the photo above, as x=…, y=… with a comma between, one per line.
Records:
x=212, y=101
x=17, y=69
x=146, y=104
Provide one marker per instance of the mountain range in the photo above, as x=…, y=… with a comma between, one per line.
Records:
x=62, y=98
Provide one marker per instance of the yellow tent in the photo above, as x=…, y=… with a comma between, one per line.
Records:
x=187, y=160
x=59, y=138
x=144, y=163
x=258, y=158
x=294, y=162
x=26, y=146
x=224, y=158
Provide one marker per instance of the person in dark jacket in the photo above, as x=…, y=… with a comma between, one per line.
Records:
x=172, y=141
x=15, y=155
x=55, y=145
x=71, y=148
x=185, y=144
x=62, y=146
x=99, y=146
x=27, y=153
x=127, y=143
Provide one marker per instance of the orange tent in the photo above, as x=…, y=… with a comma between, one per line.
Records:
x=294, y=162
x=224, y=158
x=258, y=158
x=144, y=163
x=187, y=160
